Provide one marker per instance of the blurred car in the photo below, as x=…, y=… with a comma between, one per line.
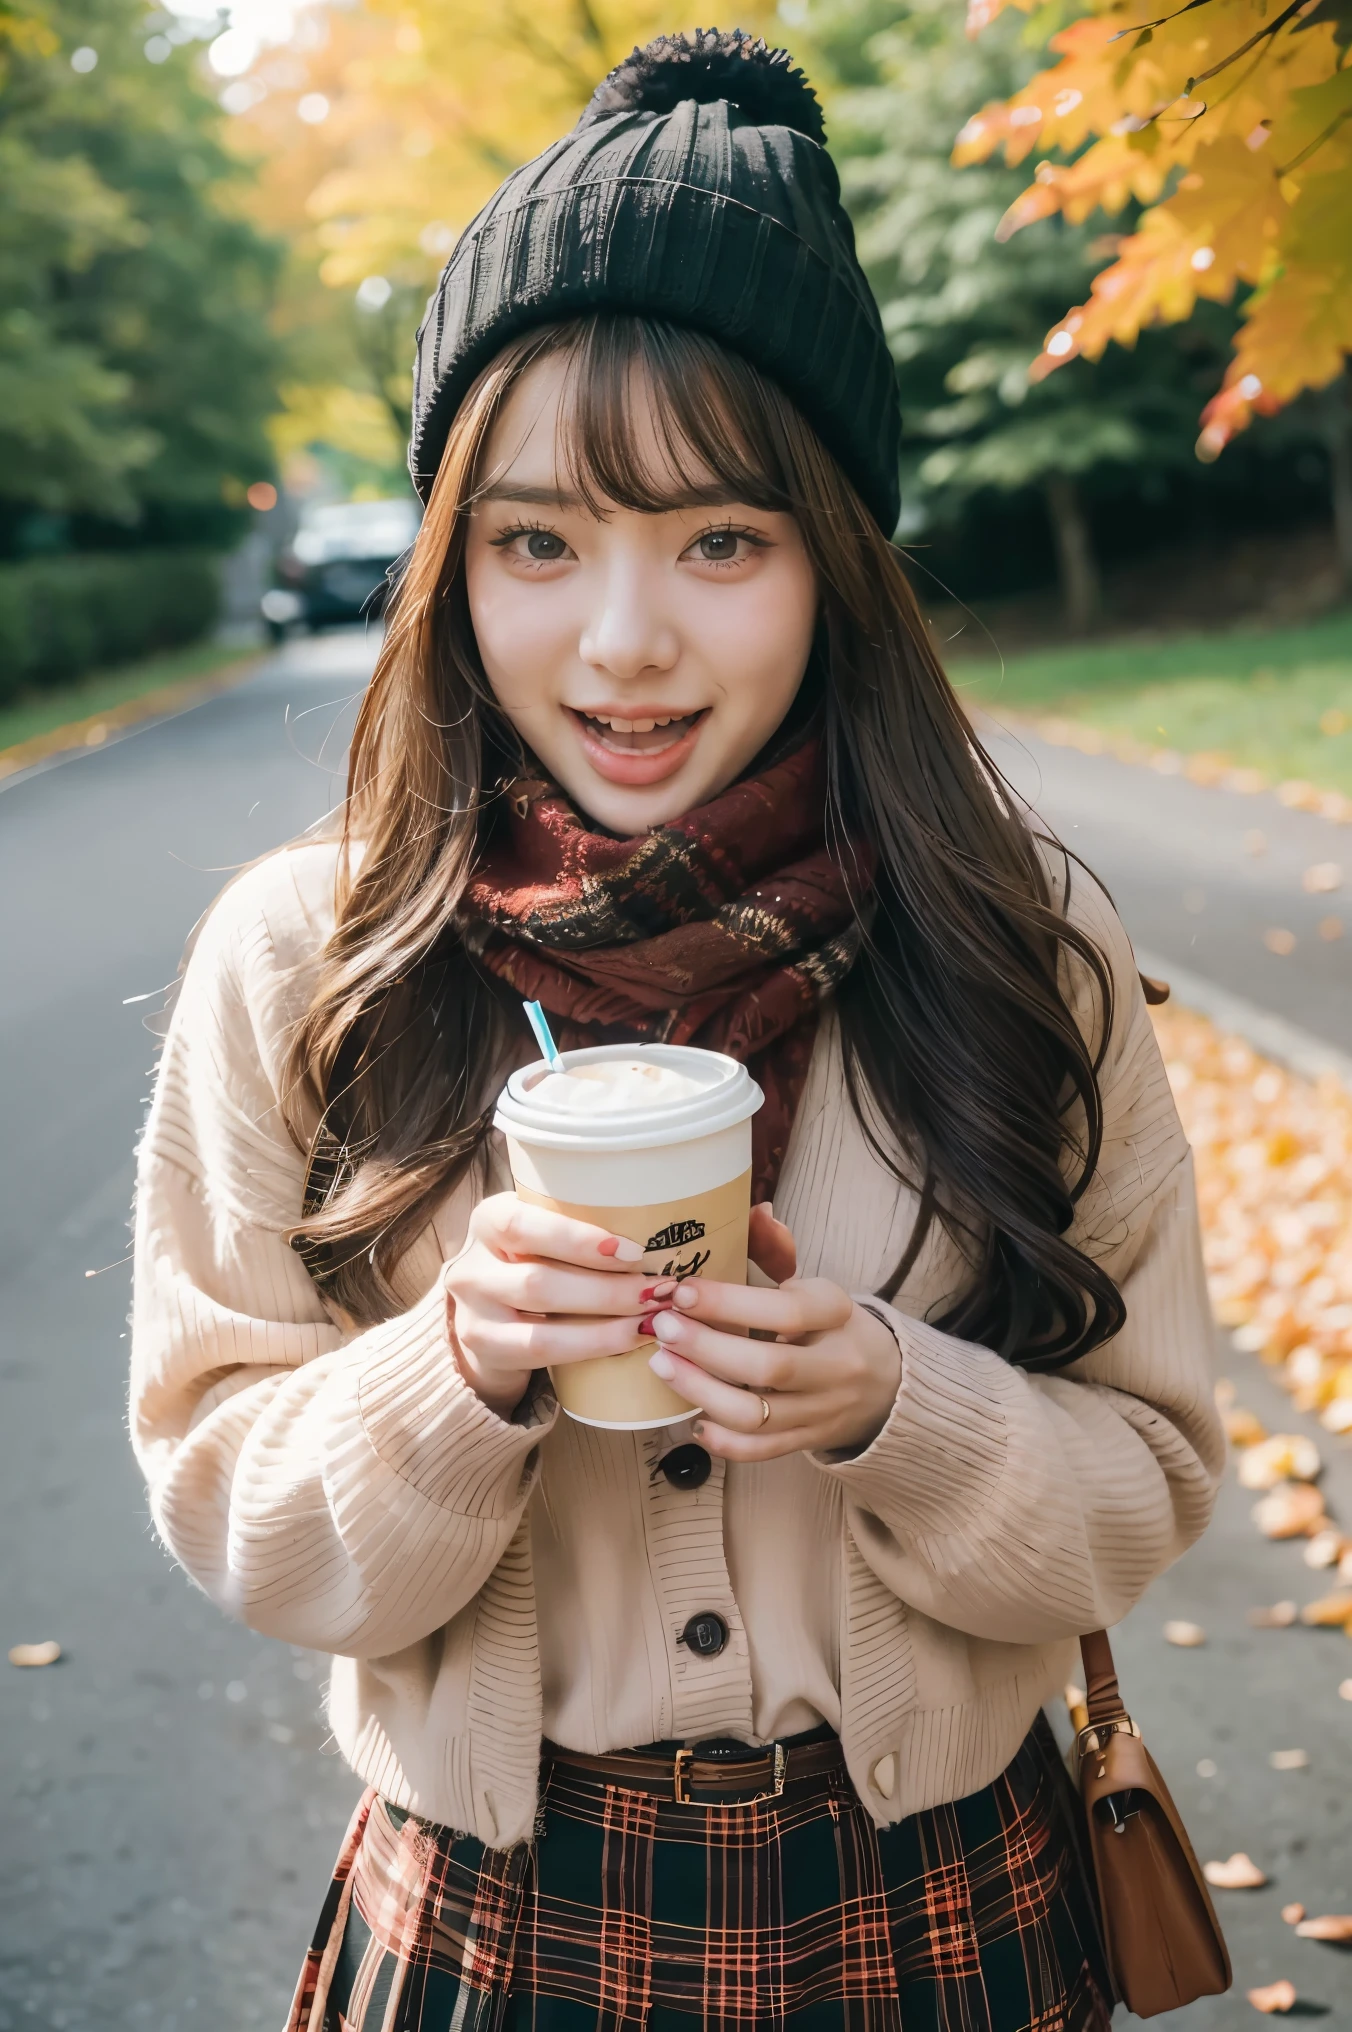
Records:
x=334, y=567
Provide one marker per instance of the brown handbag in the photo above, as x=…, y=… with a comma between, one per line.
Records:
x=1160, y=1932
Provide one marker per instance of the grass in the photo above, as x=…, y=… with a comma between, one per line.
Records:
x=1277, y=699
x=43, y=712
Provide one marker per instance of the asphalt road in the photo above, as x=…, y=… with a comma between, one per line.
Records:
x=1202, y=875
x=169, y=1812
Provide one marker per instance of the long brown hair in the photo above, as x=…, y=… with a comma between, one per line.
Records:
x=954, y=1025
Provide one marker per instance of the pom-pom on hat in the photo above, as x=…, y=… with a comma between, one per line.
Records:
x=695, y=188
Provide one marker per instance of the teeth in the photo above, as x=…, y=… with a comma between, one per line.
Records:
x=644, y=726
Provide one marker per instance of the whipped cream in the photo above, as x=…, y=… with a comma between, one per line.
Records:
x=614, y=1086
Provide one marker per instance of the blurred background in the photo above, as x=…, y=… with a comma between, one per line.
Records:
x=1128, y=505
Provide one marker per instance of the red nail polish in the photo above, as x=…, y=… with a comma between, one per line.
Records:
x=608, y=1247
x=645, y=1326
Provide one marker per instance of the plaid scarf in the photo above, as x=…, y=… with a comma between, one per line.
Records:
x=725, y=928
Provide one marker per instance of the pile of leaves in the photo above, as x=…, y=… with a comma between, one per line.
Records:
x=1274, y=1176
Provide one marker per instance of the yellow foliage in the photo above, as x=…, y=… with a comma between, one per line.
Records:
x=350, y=419
x=1231, y=120
x=430, y=104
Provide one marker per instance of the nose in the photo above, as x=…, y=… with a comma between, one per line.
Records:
x=628, y=631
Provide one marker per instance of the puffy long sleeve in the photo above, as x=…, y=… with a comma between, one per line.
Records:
x=1026, y=1508
x=348, y=1492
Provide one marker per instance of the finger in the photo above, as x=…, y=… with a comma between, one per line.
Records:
x=805, y=1306
x=532, y=1286
x=770, y=1245
x=513, y=1227
x=747, y=1364
x=513, y=1342
x=752, y=1446
x=730, y=1409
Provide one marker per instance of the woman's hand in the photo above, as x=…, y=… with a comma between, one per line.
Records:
x=827, y=1369
x=531, y=1289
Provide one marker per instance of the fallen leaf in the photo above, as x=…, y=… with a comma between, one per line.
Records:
x=35, y=1654
x=1336, y=1415
x=1186, y=1635
x=1242, y=1428
x=1289, y=1760
x=1330, y=1612
x=1290, y=1512
x=1239, y=1873
x=1325, y=1548
x=1293, y=1914
x=1270, y=1997
x=1332, y=1926
x=1322, y=879
x=1286, y=1457
x=1280, y=941
x=1330, y=928
x=1279, y=1616
x=1345, y=1689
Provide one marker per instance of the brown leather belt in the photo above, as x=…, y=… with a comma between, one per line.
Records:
x=707, y=1774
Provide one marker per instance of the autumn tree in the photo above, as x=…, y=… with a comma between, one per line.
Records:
x=1230, y=122
x=381, y=130
x=137, y=368
x=965, y=315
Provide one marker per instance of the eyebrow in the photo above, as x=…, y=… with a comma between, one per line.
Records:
x=531, y=497
x=713, y=496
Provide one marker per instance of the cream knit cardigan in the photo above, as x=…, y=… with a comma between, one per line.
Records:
x=350, y=1493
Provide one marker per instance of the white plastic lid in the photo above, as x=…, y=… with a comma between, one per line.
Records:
x=728, y=1095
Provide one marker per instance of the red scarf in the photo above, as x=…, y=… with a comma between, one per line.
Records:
x=725, y=928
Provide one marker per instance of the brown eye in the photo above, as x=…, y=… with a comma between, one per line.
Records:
x=718, y=546
x=543, y=546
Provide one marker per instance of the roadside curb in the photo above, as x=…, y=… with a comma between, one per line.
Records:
x=1286, y=1044
x=93, y=732
x=1210, y=768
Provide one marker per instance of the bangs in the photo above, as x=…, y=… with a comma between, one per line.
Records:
x=655, y=417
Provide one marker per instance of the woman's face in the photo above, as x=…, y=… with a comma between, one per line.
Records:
x=644, y=658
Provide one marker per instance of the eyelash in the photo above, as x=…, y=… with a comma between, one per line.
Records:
x=749, y=536
x=508, y=536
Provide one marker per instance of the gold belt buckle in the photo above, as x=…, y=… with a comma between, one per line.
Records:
x=681, y=1778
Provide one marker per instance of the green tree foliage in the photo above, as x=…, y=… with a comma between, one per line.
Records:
x=966, y=314
x=137, y=367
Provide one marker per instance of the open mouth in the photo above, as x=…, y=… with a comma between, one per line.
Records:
x=640, y=736
x=640, y=749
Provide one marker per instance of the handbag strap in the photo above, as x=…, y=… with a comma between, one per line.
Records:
x=1102, y=1695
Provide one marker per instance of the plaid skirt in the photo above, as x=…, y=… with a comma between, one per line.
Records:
x=797, y=1913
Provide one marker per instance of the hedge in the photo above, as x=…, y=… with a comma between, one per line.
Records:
x=61, y=616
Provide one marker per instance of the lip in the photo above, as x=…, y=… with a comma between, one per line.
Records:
x=632, y=767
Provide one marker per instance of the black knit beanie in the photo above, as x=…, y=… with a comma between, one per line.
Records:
x=696, y=188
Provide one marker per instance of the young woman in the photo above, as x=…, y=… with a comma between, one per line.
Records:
x=737, y=1722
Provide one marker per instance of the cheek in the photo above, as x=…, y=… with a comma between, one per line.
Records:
x=521, y=631
x=763, y=641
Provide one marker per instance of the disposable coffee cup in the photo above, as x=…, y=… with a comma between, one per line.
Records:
x=673, y=1175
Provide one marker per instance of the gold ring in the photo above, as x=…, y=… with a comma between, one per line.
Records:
x=765, y=1411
